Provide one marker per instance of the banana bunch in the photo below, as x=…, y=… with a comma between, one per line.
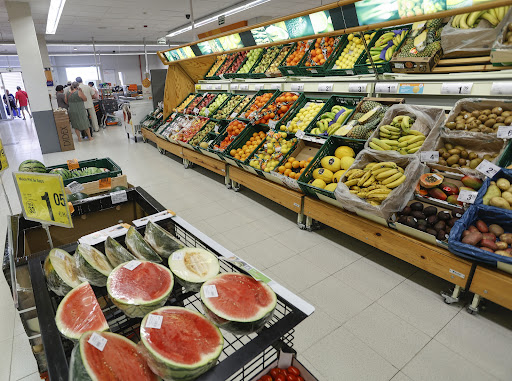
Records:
x=375, y=181
x=398, y=137
x=384, y=43
x=331, y=121
x=471, y=20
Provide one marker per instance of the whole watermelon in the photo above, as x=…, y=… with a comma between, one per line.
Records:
x=32, y=166
x=65, y=173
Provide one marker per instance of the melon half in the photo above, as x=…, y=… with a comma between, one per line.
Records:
x=61, y=272
x=193, y=266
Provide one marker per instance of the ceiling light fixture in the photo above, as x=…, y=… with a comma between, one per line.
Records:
x=228, y=12
x=54, y=13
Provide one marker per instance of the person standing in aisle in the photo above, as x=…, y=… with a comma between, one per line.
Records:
x=22, y=99
x=77, y=115
x=10, y=104
x=91, y=85
x=61, y=97
x=90, y=93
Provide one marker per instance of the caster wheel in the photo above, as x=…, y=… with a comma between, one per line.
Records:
x=448, y=299
x=472, y=310
x=236, y=189
x=186, y=165
x=309, y=228
x=302, y=226
x=144, y=140
x=162, y=151
x=228, y=186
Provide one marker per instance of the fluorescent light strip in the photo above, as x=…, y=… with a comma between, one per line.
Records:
x=54, y=13
x=99, y=53
x=211, y=19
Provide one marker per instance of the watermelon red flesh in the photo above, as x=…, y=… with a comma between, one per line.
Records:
x=119, y=360
x=80, y=312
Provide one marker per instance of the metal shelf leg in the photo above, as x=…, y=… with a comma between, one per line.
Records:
x=473, y=307
x=454, y=297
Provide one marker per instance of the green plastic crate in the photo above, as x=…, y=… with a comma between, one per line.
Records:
x=114, y=170
x=233, y=75
x=262, y=74
x=222, y=104
x=296, y=110
x=260, y=92
x=214, y=76
x=183, y=101
x=331, y=71
x=241, y=97
x=218, y=72
x=506, y=156
x=320, y=70
x=291, y=110
x=328, y=149
x=221, y=137
x=212, y=138
x=198, y=96
x=283, y=59
x=361, y=67
x=239, y=142
x=296, y=70
x=244, y=75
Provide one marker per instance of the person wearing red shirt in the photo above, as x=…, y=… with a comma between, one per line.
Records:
x=22, y=99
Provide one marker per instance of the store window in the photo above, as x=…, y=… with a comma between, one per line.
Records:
x=88, y=73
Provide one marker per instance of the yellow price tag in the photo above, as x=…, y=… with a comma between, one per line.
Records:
x=4, y=164
x=43, y=198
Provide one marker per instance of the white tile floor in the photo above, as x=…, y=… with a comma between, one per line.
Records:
x=376, y=318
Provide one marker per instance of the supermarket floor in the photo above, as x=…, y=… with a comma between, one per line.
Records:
x=377, y=318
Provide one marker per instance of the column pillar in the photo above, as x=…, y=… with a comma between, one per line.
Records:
x=27, y=46
x=45, y=57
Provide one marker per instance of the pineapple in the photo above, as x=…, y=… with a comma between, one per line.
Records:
x=369, y=105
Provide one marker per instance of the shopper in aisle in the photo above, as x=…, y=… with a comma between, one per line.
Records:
x=91, y=85
x=8, y=97
x=90, y=93
x=22, y=101
x=77, y=113
x=61, y=97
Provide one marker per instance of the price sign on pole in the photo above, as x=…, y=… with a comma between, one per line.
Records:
x=4, y=164
x=42, y=198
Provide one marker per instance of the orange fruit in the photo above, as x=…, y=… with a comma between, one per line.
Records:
x=291, y=159
x=288, y=165
x=310, y=158
x=282, y=169
x=232, y=152
x=295, y=164
x=292, y=175
x=302, y=163
x=287, y=172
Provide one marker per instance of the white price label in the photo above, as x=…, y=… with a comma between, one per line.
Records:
x=118, y=197
x=97, y=341
x=75, y=187
x=501, y=88
x=206, y=111
x=487, y=168
x=357, y=87
x=429, y=156
x=275, y=86
x=314, y=71
x=389, y=88
x=370, y=70
x=259, y=86
x=218, y=86
x=437, y=177
x=297, y=87
x=272, y=124
x=233, y=115
x=154, y=321
x=505, y=132
x=244, y=86
x=325, y=87
x=399, y=66
x=60, y=254
x=210, y=291
x=131, y=265
x=290, y=72
x=178, y=256
x=216, y=129
x=221, y=76
x=300, y=134
x=209, y=87
x=462, y=88
x=314, y=139
x=350, y=72
x=234, y=86
x=196, y=110
x=467, y=196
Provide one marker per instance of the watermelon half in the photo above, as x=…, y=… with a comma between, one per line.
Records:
x=140, y=248
x=243, y=305
x=119, y=360
x=61, y=272
x=161, y=240
x=80, y=312
x=193, y=266
x=92, y=265
x=116, y=253
x=184, y=347
x=141, y=290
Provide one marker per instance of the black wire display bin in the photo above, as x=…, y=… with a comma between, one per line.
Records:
x=243, y=357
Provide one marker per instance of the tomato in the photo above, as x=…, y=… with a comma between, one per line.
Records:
x=299, y=378
x=280, y=378
x=293, y=370
x=266, y=378
x=275, y=372
x=291, y=377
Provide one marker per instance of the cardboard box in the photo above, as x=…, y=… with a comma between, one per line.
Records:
x=415, y=64
x=284, y=361
x=64, y=130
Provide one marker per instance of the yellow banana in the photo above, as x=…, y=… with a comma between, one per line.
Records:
x=415, y=139
x=363, y=179
x=390, y=179
x=415, y=132
x=378, y=197
x=390, y=142
x=406, y=138
x=413, y=150
x=362, y=194
x=385, y=175
x=355, y=175
x=401, y=169
x=349, y=183
x=384, y=164
x=375, y=146
x=379, y=191
x=369, y=182
x=396, y=183
x=381, y=144
x=414, y=145
x=374, y=203
x=379, y=170
x=370, y=165
x=473, y=16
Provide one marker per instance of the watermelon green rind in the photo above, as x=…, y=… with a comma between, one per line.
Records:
x=194, y=267
x=32, y=166
x=92, y=265
x=76, y=196
x=138, y=307
x=118, y=188
x=116, y=253
x=127, y=365
x=161, y=240
x=140, y=248
x=169, y=369
x=61, y=274
x=91, y=308
x=61, y=171
x=231, y=323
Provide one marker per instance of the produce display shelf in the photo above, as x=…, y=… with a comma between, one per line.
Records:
x=492, y=284
x=243, y=356
x=204, y=161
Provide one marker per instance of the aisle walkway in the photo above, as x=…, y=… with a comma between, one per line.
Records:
x=377, y=318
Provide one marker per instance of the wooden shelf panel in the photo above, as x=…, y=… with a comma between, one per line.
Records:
x=149, y=135
x=162, y=143
x=494, y=285
x=204, y=161
x=277, y=193
x=433, y=259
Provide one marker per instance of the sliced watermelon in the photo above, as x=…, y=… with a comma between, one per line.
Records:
x=161, y=240
x=80, y=312
x=243, y=305
x=61, y=272
x=92, y=265
x=119, y=360
x=116, y=253
x=193, y=266
x=184, y=347
x=140, y=248
x=141, y=290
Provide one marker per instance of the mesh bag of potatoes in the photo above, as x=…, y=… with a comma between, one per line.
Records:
x=379, y=183
x=478, y=118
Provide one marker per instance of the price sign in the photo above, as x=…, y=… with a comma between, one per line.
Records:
x=209, y=87
x=357, y=87
x=244, y=86
x=198, y=87
x=272, y=124
x=42, y=198
x=178, y=256
x=505, y=132
x=314, y=71
x=118, y=197
x=196, y=110
x=297, y=87
x=234, y=86
x=232, y=116
x=349, y=72
x=487, y=168
x=75, y=187
x=154, y=321
x=389, y=88
x=106, y=183
x=467, y=196
x=210, y=291
x=429, y=156
x=462, y=88
x=206, y=111
x=73, y=164
x=501, y=88
x=132, y=265
x=325, y=87
x=275, y=86
x=300, y=134
x=4, y=164
x=218, y=86
x=97, y=341
x=259, y=86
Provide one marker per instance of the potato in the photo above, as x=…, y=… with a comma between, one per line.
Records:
x=482, y=226
x=499, y=202
x=473, y=229
x=497, y=230
x=505, y=253
x=506, y=237
x=503, y=184
x=507, y=196
x=492, y=191
x=502, y=245
x=465, y=233
x=488, y=243
x=489, y=236
x=473, y=238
